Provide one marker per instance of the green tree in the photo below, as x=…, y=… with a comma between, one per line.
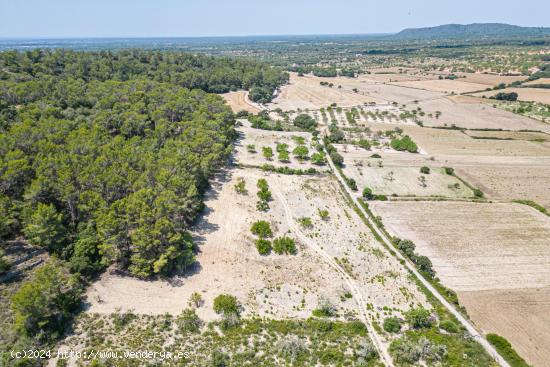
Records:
x=226, y=304
x=301, y=152
x=263, y=246
x=44, y=304
x=261, y=229
x=284, y=245
x=392, y=325
x=46, y=228
x=419, y=318
x=305, y=122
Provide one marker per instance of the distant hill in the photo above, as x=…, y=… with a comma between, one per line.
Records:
x=476, y=30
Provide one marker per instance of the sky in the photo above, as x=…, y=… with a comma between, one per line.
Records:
x=193, y=18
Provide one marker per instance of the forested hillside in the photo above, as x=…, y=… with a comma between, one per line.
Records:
x=104, y=156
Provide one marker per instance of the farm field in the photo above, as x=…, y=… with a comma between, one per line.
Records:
x=480, y=250
x=540, y=95
x=512, y=135
x=538, y=81
x=489, y=80
x=400, y=176
x=445, y=86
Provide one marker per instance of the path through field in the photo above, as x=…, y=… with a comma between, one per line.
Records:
x=357, y=295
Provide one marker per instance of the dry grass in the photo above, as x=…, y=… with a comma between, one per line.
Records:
x=445, y=86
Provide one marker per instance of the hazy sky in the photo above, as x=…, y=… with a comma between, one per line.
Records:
x=134, y=18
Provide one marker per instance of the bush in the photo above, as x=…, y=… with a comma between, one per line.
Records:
x=240, y=186
x=324, y=214
x=367, y=193
x=325, y=308
x=376, y=156
x=512, y=97
x=407, y=247
x=506, y=350
x=267, y=152
x=262, y=229
x=449, y=326
x=305, y=222
x=284, y=245
x=365, y=144
x=318, y=159
x=404, y=144
x=336, y=158
x=305, y=122
x=284, y=156
x=4, y=264
x=425, y=170
x=351, y=183
x=44, y=304
x=263, y=246
x=449, y=170
x=188, y=321
x=392, y=325
x=301, y=152
x=424, y=264
x=219, y=359
x=419, y=318
x=226, y=304
x=478, y=193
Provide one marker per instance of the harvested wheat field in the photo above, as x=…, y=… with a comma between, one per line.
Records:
x=306, y=92
x=476, y=113
x=489, y=80
x=540, y=95
x=511, y=135
x=238, y=101
x=444, y=86
x=506, y=179
x=478, y=249
x=538, y=81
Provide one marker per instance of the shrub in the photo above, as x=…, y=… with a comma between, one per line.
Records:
x=478, y=193
x=425, y=170
x=365, y=353
x=284, y=157
x=263, y=246
x=251, y=148
x=305, y=222
x=226, y=304
x=262, y=229
x=219, y=359
x=365, y=144
x=267, y=152
x=392, y=325
x=284, y=245
x=419, y=318
x=337, y=158
x=44, y=304
x=325, y=308
x=424, y=264
x=449, y=326
x=305, y=122
x=291, y=347
x=506, y=350
x=324, y=214
x=195, y=300
x=264, y=195
x=404, y=144
x=262, y=206
x=240, y=186
x=301, y=152
x=407, y=247
x=449, y=170
x=367, y=193
x=282, y=147
x=502, y=96
x=351, y=183
x=318, y=159
x=376, y=156
x=188, y=321
x=4, y=264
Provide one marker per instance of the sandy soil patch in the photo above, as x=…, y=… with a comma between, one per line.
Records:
x=520, y=315
x=524, y=94
x=445, y=86
x=238, y=102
